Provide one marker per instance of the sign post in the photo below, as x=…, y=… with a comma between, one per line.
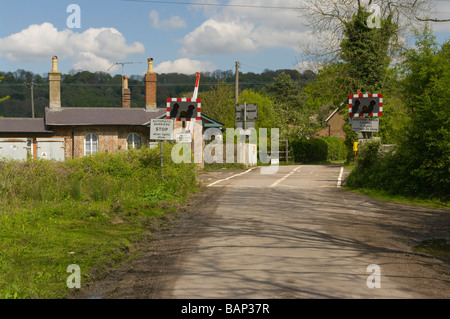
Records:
x=162, y=130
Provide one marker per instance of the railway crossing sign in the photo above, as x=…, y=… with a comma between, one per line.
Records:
x=365, y=124
x=161, y=129
x=184, y=109
x=365, y=105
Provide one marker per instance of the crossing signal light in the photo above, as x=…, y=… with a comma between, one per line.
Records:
x=365, y=105
x=183, y=109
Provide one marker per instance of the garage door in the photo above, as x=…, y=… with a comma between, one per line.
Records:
x=13, y=148
x=50, y=148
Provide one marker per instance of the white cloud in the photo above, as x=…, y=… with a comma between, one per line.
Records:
x=242, y=29
x=175, y=22
x=90, y=61
x=91, y=49
x=218, y=37
x=185, y=66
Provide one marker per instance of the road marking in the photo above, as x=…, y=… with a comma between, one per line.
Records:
x=225, y=179
x=284, y=177
x=339, y=183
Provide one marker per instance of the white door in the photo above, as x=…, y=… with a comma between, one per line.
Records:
x=13, y=148
x=50, y=148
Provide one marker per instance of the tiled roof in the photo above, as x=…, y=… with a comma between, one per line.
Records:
x=101, y=116
x=23, y=125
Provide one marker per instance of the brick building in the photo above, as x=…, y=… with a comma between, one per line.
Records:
x=335, y=123
x=70, y=132
x=74, y=132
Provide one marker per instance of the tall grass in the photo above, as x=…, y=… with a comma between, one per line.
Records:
x=82, y=211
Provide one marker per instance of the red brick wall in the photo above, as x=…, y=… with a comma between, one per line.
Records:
x=112, y=139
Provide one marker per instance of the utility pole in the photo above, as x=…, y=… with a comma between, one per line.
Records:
x=31, y=84
x=237, y=83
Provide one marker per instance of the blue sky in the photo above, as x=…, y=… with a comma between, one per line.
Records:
x=179, y=37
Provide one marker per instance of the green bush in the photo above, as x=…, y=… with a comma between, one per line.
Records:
x=99, y=177
x=420, y=165
x=335, y=148
x=317, y=149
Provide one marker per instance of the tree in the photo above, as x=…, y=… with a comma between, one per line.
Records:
x=218, y=103
x=328, y=21
x=6, y=97
x=426, y=147
x=269, y=113
x=420, y=165
x=290, y=104
x=365, y=50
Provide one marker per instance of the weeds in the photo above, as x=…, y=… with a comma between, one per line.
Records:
x=84, y=211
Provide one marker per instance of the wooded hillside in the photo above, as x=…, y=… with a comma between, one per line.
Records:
x=86, y=89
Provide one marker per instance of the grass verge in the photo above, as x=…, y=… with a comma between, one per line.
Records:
x=434, y=247
x=85, y=211
x=381, y=195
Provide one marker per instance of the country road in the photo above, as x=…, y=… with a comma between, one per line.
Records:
x=292, y=234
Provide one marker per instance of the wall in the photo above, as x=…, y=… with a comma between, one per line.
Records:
x=335, y=125
x=111, y=138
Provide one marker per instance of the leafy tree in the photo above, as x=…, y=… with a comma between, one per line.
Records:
x=218, y=103
x=270, y=115
x=6, y=97
x=290, y=102
x=426, y=92
x=363, y=65
x=365, y=51
x=420, y=165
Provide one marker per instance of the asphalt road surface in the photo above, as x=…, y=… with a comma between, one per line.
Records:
x=292, y=234
x=295, y=234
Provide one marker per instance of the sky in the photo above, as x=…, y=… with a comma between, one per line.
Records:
x=183, y=37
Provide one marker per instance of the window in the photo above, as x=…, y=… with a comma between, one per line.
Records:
x=133, y=141
x=90, y=144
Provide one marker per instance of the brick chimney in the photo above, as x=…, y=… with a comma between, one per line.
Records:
x=126, y=94
x=150, y=87
x=54, y=79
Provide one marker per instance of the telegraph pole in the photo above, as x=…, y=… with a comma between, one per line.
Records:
x=31, y=84
x=237, y=83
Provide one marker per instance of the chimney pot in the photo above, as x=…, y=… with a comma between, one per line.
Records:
x=54, y=79
x=55, y=64
x=150, y=65
x=126, y=94
x=150, y=87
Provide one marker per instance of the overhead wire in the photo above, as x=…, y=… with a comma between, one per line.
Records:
x=215, y=4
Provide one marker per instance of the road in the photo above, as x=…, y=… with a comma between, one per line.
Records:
x=293, y=234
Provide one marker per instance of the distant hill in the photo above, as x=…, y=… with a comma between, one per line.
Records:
x=87, y=89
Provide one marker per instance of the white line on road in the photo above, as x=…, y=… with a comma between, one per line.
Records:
x=225, y=179
x=284, y=177
x=339, y=183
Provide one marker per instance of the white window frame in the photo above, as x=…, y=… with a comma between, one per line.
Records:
x=133, y=140
x=90, y=140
